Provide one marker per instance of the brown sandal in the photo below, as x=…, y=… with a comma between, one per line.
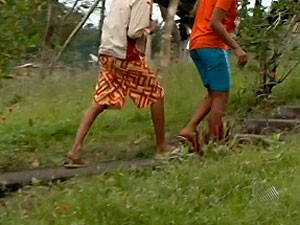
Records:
x=73, y=163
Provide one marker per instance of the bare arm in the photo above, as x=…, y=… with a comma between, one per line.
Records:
x=217, y=25
x=194, y=10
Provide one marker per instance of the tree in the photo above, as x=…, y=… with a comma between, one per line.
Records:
x=84, y=43
x=33, y=29
x=101, y=21
x=60, y=22
x=73, y=33
x=166, y=41
x=271, y=39
x=179, y=31
x=48, y=36
x=21, y=30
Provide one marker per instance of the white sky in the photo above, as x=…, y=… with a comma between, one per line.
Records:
x=94, y=18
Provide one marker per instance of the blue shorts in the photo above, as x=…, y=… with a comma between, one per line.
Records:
x=213, y=66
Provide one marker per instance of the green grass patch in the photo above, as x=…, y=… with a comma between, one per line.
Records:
x=222, y=189
x=39, y=118
x=38, y=123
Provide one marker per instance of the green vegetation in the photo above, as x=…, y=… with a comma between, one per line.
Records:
x=23, y=30
x=272, y=37
x=223, y=189
x=37, y=126
x=45, y=115
x=18, y=37
x=40, y=117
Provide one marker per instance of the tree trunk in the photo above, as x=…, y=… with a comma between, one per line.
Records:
x=49, y=31
x=101, y=21
x=166, y=41
x=175, y=31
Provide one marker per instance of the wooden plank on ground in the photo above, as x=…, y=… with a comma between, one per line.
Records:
x=47, y=175
x=262, y=126
x=288, y=112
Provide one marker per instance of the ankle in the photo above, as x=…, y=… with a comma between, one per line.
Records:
x=162, y=147
x=193, y=126
x=75, y=151
x=159, y=146
x=190, y=128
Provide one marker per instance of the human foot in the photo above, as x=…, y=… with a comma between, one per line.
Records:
x=73, y=163
x=166, y=152
x=73, y=159
x=191, y=138
x=165, y=149
x=74, y=152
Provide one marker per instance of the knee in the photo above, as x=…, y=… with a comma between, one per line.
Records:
x=97, y=109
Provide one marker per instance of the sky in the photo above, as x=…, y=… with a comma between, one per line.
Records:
x=94, y=18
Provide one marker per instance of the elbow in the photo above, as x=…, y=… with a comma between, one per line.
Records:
x=134, y=35
x=131, y=35
x=214, y=24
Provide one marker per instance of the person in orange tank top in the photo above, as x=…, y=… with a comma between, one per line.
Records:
x=210, y=39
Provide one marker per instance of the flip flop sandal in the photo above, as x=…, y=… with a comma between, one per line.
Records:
x=182, y=155
x=176, y=154
x=74, y=163
x=168, y=155
x=161, y=156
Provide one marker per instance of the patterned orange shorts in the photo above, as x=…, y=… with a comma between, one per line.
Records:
x=121, y=78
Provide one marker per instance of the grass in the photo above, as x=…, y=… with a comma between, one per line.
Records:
x=223, y=189
x=40, y=118
x=46, y=114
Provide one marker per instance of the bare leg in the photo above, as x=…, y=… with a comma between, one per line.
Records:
x=86, y=123
x=199, y=115
x=218, y=107
x=158, y=119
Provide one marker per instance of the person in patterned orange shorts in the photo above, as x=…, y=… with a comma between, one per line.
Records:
x=124, y=72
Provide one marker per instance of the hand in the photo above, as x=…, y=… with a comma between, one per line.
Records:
x=241, y=55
